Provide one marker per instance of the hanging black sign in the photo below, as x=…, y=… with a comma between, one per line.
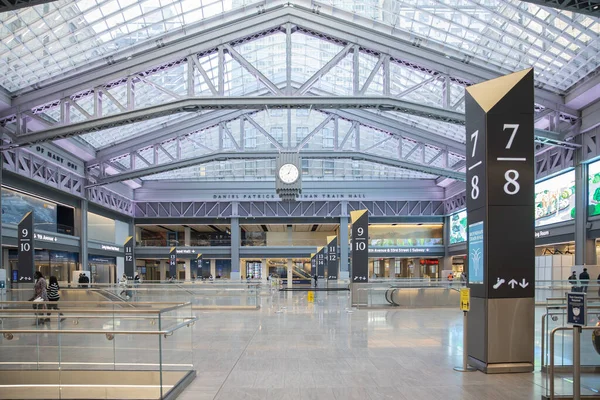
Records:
x=321, y=262
x=173, y=263
x=360, y=246
x=25, y=250
x=313, y=264
x=332, y=258
x=129, y=258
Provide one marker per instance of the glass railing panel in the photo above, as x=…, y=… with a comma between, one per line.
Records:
x=177, y=354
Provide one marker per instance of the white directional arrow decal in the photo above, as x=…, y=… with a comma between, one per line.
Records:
x=512, y=283
x=499, y=283
x=524, y=283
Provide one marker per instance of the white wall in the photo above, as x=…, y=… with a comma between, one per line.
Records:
x=101, y=228
x=121, y=232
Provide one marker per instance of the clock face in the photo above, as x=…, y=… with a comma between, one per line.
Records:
x=288, y=173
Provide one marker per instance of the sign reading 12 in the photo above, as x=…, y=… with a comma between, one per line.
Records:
x=511, y=176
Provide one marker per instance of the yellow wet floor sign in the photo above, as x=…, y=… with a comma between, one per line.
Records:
x=311, y=296
x=465, y=299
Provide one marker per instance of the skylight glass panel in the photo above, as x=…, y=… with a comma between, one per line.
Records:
x=500, y=32
x=63, y=35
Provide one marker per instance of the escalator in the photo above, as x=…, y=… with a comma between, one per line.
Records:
x=299, y=273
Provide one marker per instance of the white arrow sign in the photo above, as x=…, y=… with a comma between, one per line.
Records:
x=512, y=283
x=524, y=283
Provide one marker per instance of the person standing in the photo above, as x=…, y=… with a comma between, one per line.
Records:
x=316, y=278
x=573, y=282
x=39, y=295
x=54, y=295
x=584, y=277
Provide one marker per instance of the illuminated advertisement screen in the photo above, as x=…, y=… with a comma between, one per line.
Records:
x=555, y=199
x=458, y=227
x=594, y=188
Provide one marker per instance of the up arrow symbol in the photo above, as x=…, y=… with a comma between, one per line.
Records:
x=512, y=283
x=524, y=284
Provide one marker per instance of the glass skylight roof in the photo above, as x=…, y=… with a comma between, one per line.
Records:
x=512, y=34
x=54, y=38
x=50, y=39
x=64, y=38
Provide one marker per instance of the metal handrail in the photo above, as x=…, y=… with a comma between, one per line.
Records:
x=187, y=322
x=544, y=317
x=551, y=372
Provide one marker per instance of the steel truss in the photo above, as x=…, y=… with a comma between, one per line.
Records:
x=11, y=5
x=455, y=203
x=309, y=209
x=29, y=165
x=589, y=7
x=76, y=98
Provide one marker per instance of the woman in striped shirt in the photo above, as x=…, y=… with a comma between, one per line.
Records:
x=53, y=294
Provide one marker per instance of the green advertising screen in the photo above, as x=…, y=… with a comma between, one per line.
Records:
x=555, y=199
x=594, y=188
x=458, y=227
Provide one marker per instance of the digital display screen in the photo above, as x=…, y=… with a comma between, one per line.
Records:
x=458, y=227
x=555, y=199
x=594, y=188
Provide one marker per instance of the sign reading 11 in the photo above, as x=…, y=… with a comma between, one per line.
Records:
x=511, y=176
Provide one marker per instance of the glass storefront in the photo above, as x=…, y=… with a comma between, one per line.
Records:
x=50, y=262
x=403, y=235
x=103, y=269
x=404, y=268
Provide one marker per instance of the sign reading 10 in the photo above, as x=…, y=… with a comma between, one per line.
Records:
x=511, y=176
x=360, y=245
x=25, y=246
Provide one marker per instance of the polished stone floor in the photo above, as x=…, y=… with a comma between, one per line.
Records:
x=320, y=351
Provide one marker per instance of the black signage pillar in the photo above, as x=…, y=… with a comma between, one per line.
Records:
x=360, y=246
x=321, y=262
x=129, y=258
x=173, y=263
x=332, y=258
x=500, y=213
x=196, y=265
x=25, y=249
x=313, y=264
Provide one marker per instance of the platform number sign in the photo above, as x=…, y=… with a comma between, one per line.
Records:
x=360, y=246
x=321, y=262
x=173, y=263
x=25, y=249
x=313, y=264
x=500, y=184
x=332, y=258
x=129, y=266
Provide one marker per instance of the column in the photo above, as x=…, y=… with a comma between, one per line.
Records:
x=585, y=249
x=235, y=249
x=501, y=227
x=290, y=272
x=264, y=269
x=187, y=236
x=83, y=236
x=2, y=263
x=343, y=243
x=213, y=268
x=163, y=270
x=446, y=264
x=188, y=269
x=416, y=267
